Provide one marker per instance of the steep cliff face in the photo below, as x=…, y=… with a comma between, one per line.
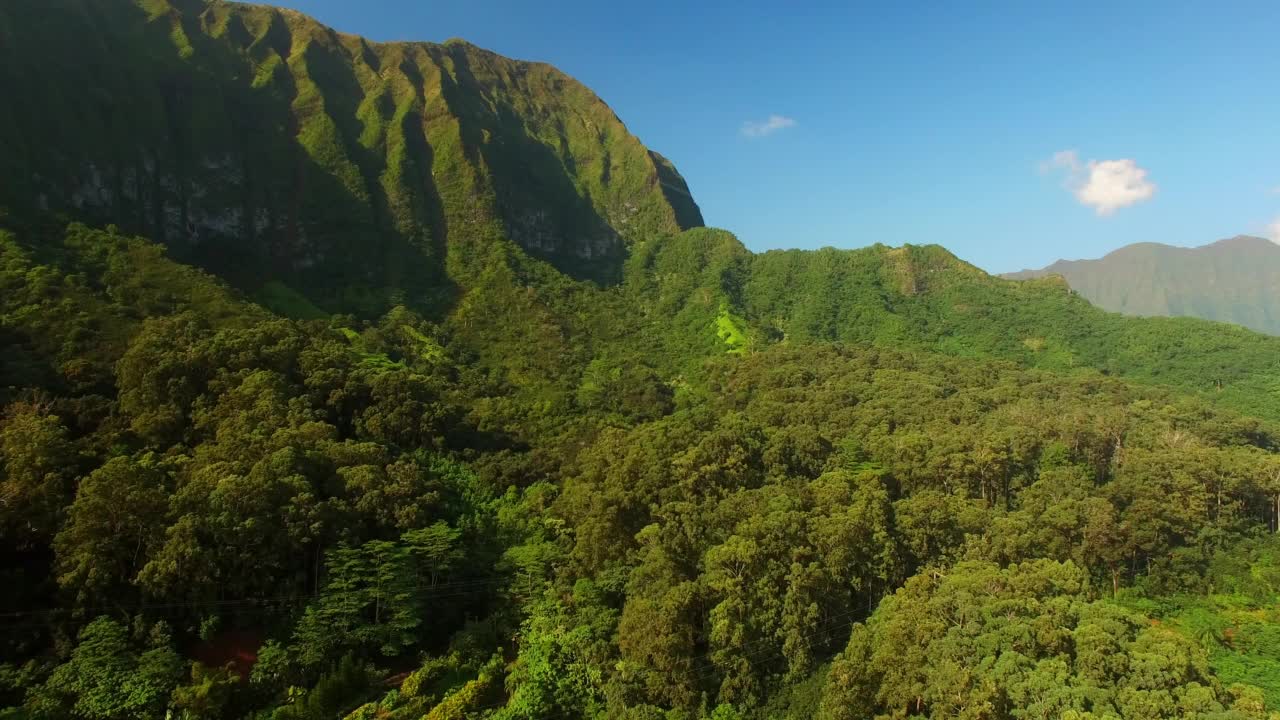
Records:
x=259, y=143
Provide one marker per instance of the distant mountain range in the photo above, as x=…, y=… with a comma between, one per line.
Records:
x=1234, y=280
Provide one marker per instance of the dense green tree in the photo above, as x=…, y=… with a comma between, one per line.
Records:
x=376, y=595
x=566, y=648
x=979, y=641
x=114, y=526
x=106, y=678
x=38, y=463
x=210, y=693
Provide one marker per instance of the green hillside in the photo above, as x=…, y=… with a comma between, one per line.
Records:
x=320, y=173
x=1232, y=280
x=355, y=380
x=924, y=298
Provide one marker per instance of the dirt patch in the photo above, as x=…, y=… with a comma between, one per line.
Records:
x=237, y=649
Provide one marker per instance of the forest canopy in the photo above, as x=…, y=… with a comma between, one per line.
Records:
x=220, y=512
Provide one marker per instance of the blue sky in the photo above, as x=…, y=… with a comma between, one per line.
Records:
x=919, y=122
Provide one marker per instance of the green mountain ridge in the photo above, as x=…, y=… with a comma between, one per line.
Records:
x=1232, y=280
x=476, y=190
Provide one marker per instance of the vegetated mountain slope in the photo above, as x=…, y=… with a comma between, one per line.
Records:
x=263, y=145
x=344, y=504
x=923, y=297
x=76, y=296
x=1235, y=280
x=323, y=173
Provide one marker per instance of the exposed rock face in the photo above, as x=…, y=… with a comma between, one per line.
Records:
x=256, y=141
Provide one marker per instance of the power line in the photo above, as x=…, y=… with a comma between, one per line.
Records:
x=825, y=630
x=702, y=666
x=473, y=586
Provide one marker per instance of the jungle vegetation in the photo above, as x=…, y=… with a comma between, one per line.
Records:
x=355, y=380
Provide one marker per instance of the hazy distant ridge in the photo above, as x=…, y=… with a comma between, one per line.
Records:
x=1233, y=280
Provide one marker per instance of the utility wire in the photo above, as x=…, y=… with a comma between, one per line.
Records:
x=437, y=591
x=826, y=630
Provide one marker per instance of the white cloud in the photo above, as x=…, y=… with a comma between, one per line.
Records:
x=1062, y=159
x=754, y=129
x=1113, y=184
x=1273, y=231
x=1104, y=185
